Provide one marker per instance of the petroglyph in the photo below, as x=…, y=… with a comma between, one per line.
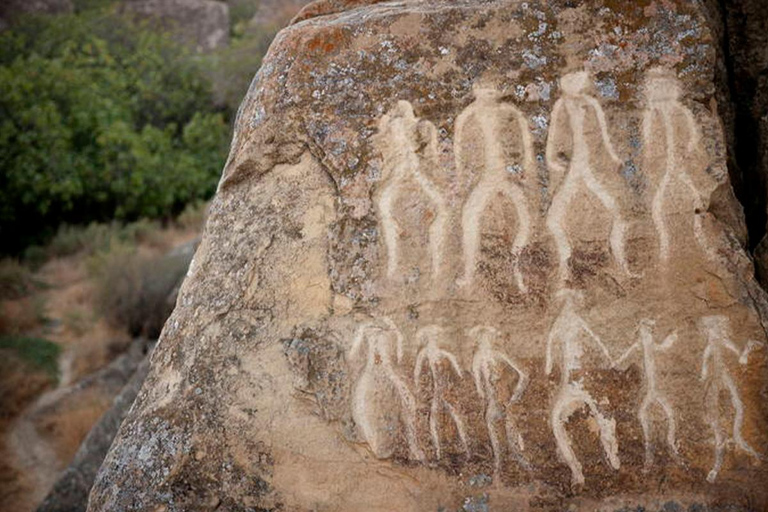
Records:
x=432, y=355
x=407, y=144
x=487, y=118
x=567, y=331
x=715, y=373
x=485, y=368
x=653, y=396
x=568, y=176
x=379, y=337
x=681, y=136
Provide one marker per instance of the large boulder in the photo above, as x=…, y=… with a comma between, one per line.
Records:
x=201, y=24
x=465, y=256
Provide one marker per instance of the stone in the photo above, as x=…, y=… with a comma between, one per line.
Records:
x=201, y=24
x=465, y=255
x=70, y=492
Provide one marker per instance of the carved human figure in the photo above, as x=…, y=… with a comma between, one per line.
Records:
x=431, y=355
x=486, y=119
x=568, y=331
x=380, y=337
x=487, y=365
x=571, y=174
x=653, y=396
x=407, y=145
x=715, y=373
x=669, y=124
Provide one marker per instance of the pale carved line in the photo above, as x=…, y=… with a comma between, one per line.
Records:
x=488, y=111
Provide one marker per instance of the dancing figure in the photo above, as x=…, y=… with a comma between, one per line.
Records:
x=379, y=339
x=486, y=365
x=487, y=118
x=568, y=134
x=653, y=396
x=715, y=373
x=568, y=331
x=405, y=144
x=431, y=355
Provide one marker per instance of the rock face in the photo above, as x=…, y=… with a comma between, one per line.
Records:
x=465, y=256
x=201, y=24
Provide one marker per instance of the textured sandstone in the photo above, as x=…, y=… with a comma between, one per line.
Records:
x=465, y=255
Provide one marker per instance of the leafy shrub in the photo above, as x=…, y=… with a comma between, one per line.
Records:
x=15, y=279
x=100, y=119
x=137, y=292
x=40, y=353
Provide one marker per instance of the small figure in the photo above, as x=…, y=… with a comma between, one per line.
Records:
x=378, y=337
x=717, y=330
x=567, y=331
x=484, y=364
x=568, y=134
x=489, y=116
x=405, y=142
x=432, y=355
x=652, y=395
x=680, y=136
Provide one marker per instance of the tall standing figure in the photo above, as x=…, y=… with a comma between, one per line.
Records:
x=480, y=134
x=568, y=135
x=407, y=144
x=653, y=396
x=380, y=337
x=431, y=355
x=567, y=331
x=715, y=373
x=487, y=364
x=669, y=124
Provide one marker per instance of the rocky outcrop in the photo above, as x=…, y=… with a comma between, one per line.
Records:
x=70, y=492
x=200, y=24
x=465, y=256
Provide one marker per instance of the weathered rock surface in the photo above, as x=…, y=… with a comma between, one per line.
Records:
x=201, y=24
x=465, y=255
x=70, y=492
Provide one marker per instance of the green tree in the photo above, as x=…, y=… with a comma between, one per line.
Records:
x=100, y=119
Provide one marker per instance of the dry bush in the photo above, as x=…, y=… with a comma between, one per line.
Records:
x=15, y=279
x=135, y=291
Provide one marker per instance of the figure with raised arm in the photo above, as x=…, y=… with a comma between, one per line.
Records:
x=715, y=373
x=481, y=142
x=487, y=365
x=653, y=396
x=408, y=145
x=379, y=338
x=568, y=333
x=571, y=161
x=431, y=355
x=669, y=124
